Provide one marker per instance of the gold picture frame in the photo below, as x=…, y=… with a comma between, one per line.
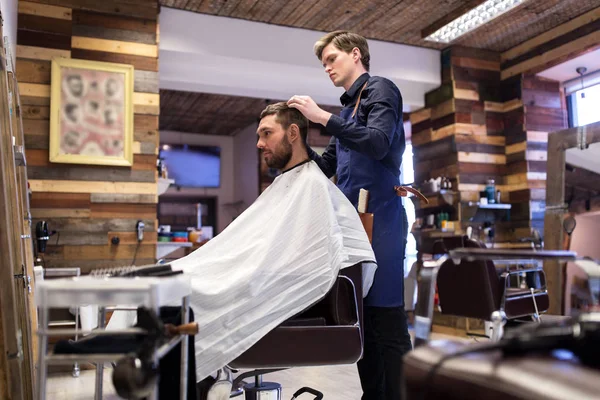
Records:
x=91, y=112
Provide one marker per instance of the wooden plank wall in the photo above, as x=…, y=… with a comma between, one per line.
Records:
x=542, y=110
x=562, y=43
x=477, y=126
x=88, y=205
x=459, y=134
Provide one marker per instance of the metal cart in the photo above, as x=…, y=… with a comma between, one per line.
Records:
x=150, y=292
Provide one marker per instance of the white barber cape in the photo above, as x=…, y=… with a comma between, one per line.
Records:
x=276, y=259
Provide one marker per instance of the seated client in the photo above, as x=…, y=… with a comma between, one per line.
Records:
x=280, y=256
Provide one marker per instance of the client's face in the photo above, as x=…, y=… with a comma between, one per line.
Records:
x=274, y=143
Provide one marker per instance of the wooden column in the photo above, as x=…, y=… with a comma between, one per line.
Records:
x=459, y=134
x=537, y=109
x=14, y=382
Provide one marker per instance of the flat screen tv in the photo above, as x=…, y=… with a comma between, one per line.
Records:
x=193, y=166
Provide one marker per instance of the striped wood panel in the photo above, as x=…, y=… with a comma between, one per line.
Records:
x=88, y=205
x=476, y=126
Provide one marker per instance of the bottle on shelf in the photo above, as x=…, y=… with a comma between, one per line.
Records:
x=490, y=190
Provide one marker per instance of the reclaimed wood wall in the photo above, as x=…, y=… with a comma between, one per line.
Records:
x=542, y=110
x=476, y=126
x=491, y=118
x=88, y=205
x=553, y=47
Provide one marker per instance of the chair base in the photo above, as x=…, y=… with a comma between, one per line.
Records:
x=266, y=391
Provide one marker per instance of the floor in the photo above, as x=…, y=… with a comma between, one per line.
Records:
x=336, y=382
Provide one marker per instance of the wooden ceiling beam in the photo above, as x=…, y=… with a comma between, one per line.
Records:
x=552, y=34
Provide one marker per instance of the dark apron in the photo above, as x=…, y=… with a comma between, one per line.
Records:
x=357, y=171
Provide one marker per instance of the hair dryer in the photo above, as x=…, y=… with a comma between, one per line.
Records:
x=42, y=236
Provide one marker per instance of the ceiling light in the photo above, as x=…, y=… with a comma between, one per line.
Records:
x=478, y=16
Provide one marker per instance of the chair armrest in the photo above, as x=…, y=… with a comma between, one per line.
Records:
x=341, y=306
x=351, y=316
x=542, y=283
x=425, y=298
x=520, y=271
x=503, y=282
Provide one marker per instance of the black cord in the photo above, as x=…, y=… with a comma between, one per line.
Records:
x=471, y=349
x=135, y=252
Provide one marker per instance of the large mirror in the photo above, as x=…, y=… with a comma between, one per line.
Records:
x=572, y=217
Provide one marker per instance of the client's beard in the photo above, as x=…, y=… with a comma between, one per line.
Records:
x=283, y=155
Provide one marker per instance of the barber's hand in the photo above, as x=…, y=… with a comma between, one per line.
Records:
x=309, y=109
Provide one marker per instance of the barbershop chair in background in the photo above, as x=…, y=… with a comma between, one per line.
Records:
x=552, y=360
x=476, y=289
x=453, y=370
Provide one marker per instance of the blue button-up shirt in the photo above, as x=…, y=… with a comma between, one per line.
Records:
x=366, y=153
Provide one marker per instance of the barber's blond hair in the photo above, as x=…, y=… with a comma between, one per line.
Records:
x=345, y=41
x=286, y=116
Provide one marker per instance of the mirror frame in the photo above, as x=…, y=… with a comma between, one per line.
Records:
x=558, y=143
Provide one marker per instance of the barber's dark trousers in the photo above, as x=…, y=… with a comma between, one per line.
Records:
x=386, y=341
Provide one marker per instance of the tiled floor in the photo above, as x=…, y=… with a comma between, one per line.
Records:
x=65, y=387
x=336, y=383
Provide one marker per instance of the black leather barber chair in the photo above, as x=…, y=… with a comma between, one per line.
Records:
x=530, y=362
x=442, y=371
x=328, y=333
x=477, y=288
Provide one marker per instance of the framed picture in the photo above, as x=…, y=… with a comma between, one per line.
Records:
x=91, y=113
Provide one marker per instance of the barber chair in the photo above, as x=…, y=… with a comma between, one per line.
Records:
x=469, y=373
x=528, y=363
x=328, y=333
x=476, y=288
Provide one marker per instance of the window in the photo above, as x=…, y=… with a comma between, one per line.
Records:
x=407, y=175
x=584, y=105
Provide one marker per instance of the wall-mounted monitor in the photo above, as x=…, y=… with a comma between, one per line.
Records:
x=192, y=166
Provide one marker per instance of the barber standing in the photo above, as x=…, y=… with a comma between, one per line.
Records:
x=366, y=152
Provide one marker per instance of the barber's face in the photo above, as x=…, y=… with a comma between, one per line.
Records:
x=339, y=65
x=274, y=142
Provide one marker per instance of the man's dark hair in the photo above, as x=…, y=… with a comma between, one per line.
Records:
x=287, y=116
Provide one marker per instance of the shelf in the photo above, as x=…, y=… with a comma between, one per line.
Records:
x=490, y=206
x=509, y=245
x=441, y=198
x=429, y=232
x=492, y=213
x=422, y=212
x=441, y=192
x=442, y=201
x=163, y=249
x=163, y=185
